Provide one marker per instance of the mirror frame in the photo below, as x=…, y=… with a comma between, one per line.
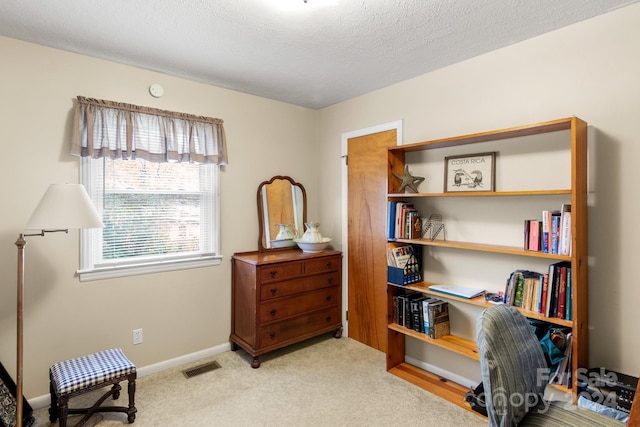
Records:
x=262, y=244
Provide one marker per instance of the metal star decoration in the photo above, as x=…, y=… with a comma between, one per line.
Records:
x=408, y=180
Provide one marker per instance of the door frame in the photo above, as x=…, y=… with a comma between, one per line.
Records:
x=346, y=136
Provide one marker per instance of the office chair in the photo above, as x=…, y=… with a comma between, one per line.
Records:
x=514, y=370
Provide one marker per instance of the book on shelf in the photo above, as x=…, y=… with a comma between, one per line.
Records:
x=543, y=295
x=417, y=313
x=391, y=220
x=425, y=314
x=569, y=304
x=565, y=230
x=401, y=317
x=555, y=231
x=439, y=325
x=546, y=219
x=531, y=285
x=562, y=294
x=415, y=225
x=547, y=307
x=396, y=312
x=458, y=291
x=519, y=289
x=534, y=235
x=510, y=288
x=554, y=289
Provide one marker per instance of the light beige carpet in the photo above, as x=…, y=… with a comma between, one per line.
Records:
x=321, y=382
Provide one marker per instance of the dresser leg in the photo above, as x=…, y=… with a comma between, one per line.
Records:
x=255, y=364
x=338, y=333
x=234, y=346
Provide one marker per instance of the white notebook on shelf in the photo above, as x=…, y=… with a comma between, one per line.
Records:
x=458, y=291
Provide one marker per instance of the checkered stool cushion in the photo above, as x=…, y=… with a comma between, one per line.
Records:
x=97, y=368
x=78, y=376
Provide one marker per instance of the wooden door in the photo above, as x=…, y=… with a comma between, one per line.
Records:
x=366, y=259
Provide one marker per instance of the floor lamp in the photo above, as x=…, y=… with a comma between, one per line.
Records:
x=63, y=207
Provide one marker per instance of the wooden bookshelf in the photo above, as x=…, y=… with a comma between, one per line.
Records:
x=576, y=195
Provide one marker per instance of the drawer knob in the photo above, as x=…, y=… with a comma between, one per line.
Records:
x=273, y=273
x=274, y=291
x=328, y=319
x=272, y=335
x=329, y=264
x=273, y=312
x=328, y=297
x=330, y=280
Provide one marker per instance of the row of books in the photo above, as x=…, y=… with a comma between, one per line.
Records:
x=403, y=221
x=551, y=234
x=421, y=313
x=546, y=293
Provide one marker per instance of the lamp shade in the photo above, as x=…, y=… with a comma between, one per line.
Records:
x=64, y=206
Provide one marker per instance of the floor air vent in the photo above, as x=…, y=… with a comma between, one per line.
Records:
x=201, y=369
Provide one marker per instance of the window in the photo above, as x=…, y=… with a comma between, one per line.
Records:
x=157, y=217
x=154, y=177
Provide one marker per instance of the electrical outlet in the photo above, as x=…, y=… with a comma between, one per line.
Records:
x=137, y=336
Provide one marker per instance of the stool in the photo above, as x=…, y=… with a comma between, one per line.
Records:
x=74, y=377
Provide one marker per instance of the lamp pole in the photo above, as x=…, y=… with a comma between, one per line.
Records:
x=20, y=243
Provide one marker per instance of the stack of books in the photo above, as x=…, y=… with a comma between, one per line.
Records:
x=422, y=314
x=403, y=221
x=551, y=234
x=548, y=293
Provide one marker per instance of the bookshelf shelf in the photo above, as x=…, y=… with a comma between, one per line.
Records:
x=572, y=130
x=513, y=250
x=482, y=194
x=432, y=383
x=480, y=301
x=450, y=342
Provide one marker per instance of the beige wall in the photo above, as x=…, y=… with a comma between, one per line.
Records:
x=590, y=70
x=180, y=312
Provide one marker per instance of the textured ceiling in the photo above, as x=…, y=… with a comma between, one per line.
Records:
x=288, y=50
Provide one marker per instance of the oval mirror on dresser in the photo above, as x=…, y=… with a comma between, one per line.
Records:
x=281, y=202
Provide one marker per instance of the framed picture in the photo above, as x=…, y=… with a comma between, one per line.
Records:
x=8, y=403
x=471, y=172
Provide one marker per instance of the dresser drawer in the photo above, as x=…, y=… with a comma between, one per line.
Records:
x=298, y=285
x=322, y=264
x=286, y=307
x=278, y=332
x=281, y=271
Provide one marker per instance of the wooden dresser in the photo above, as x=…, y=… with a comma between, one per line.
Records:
x=282, y=297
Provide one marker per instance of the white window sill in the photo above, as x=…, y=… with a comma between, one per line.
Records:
x=146, y=268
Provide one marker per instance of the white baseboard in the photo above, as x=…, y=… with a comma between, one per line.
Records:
x=45, y=401
x=466, y=382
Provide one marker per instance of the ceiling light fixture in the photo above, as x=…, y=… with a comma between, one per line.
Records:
x=297, y=5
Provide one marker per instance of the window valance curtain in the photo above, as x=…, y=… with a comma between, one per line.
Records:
x=118, y=130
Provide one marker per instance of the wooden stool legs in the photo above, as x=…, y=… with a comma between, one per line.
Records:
x=59, y=409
